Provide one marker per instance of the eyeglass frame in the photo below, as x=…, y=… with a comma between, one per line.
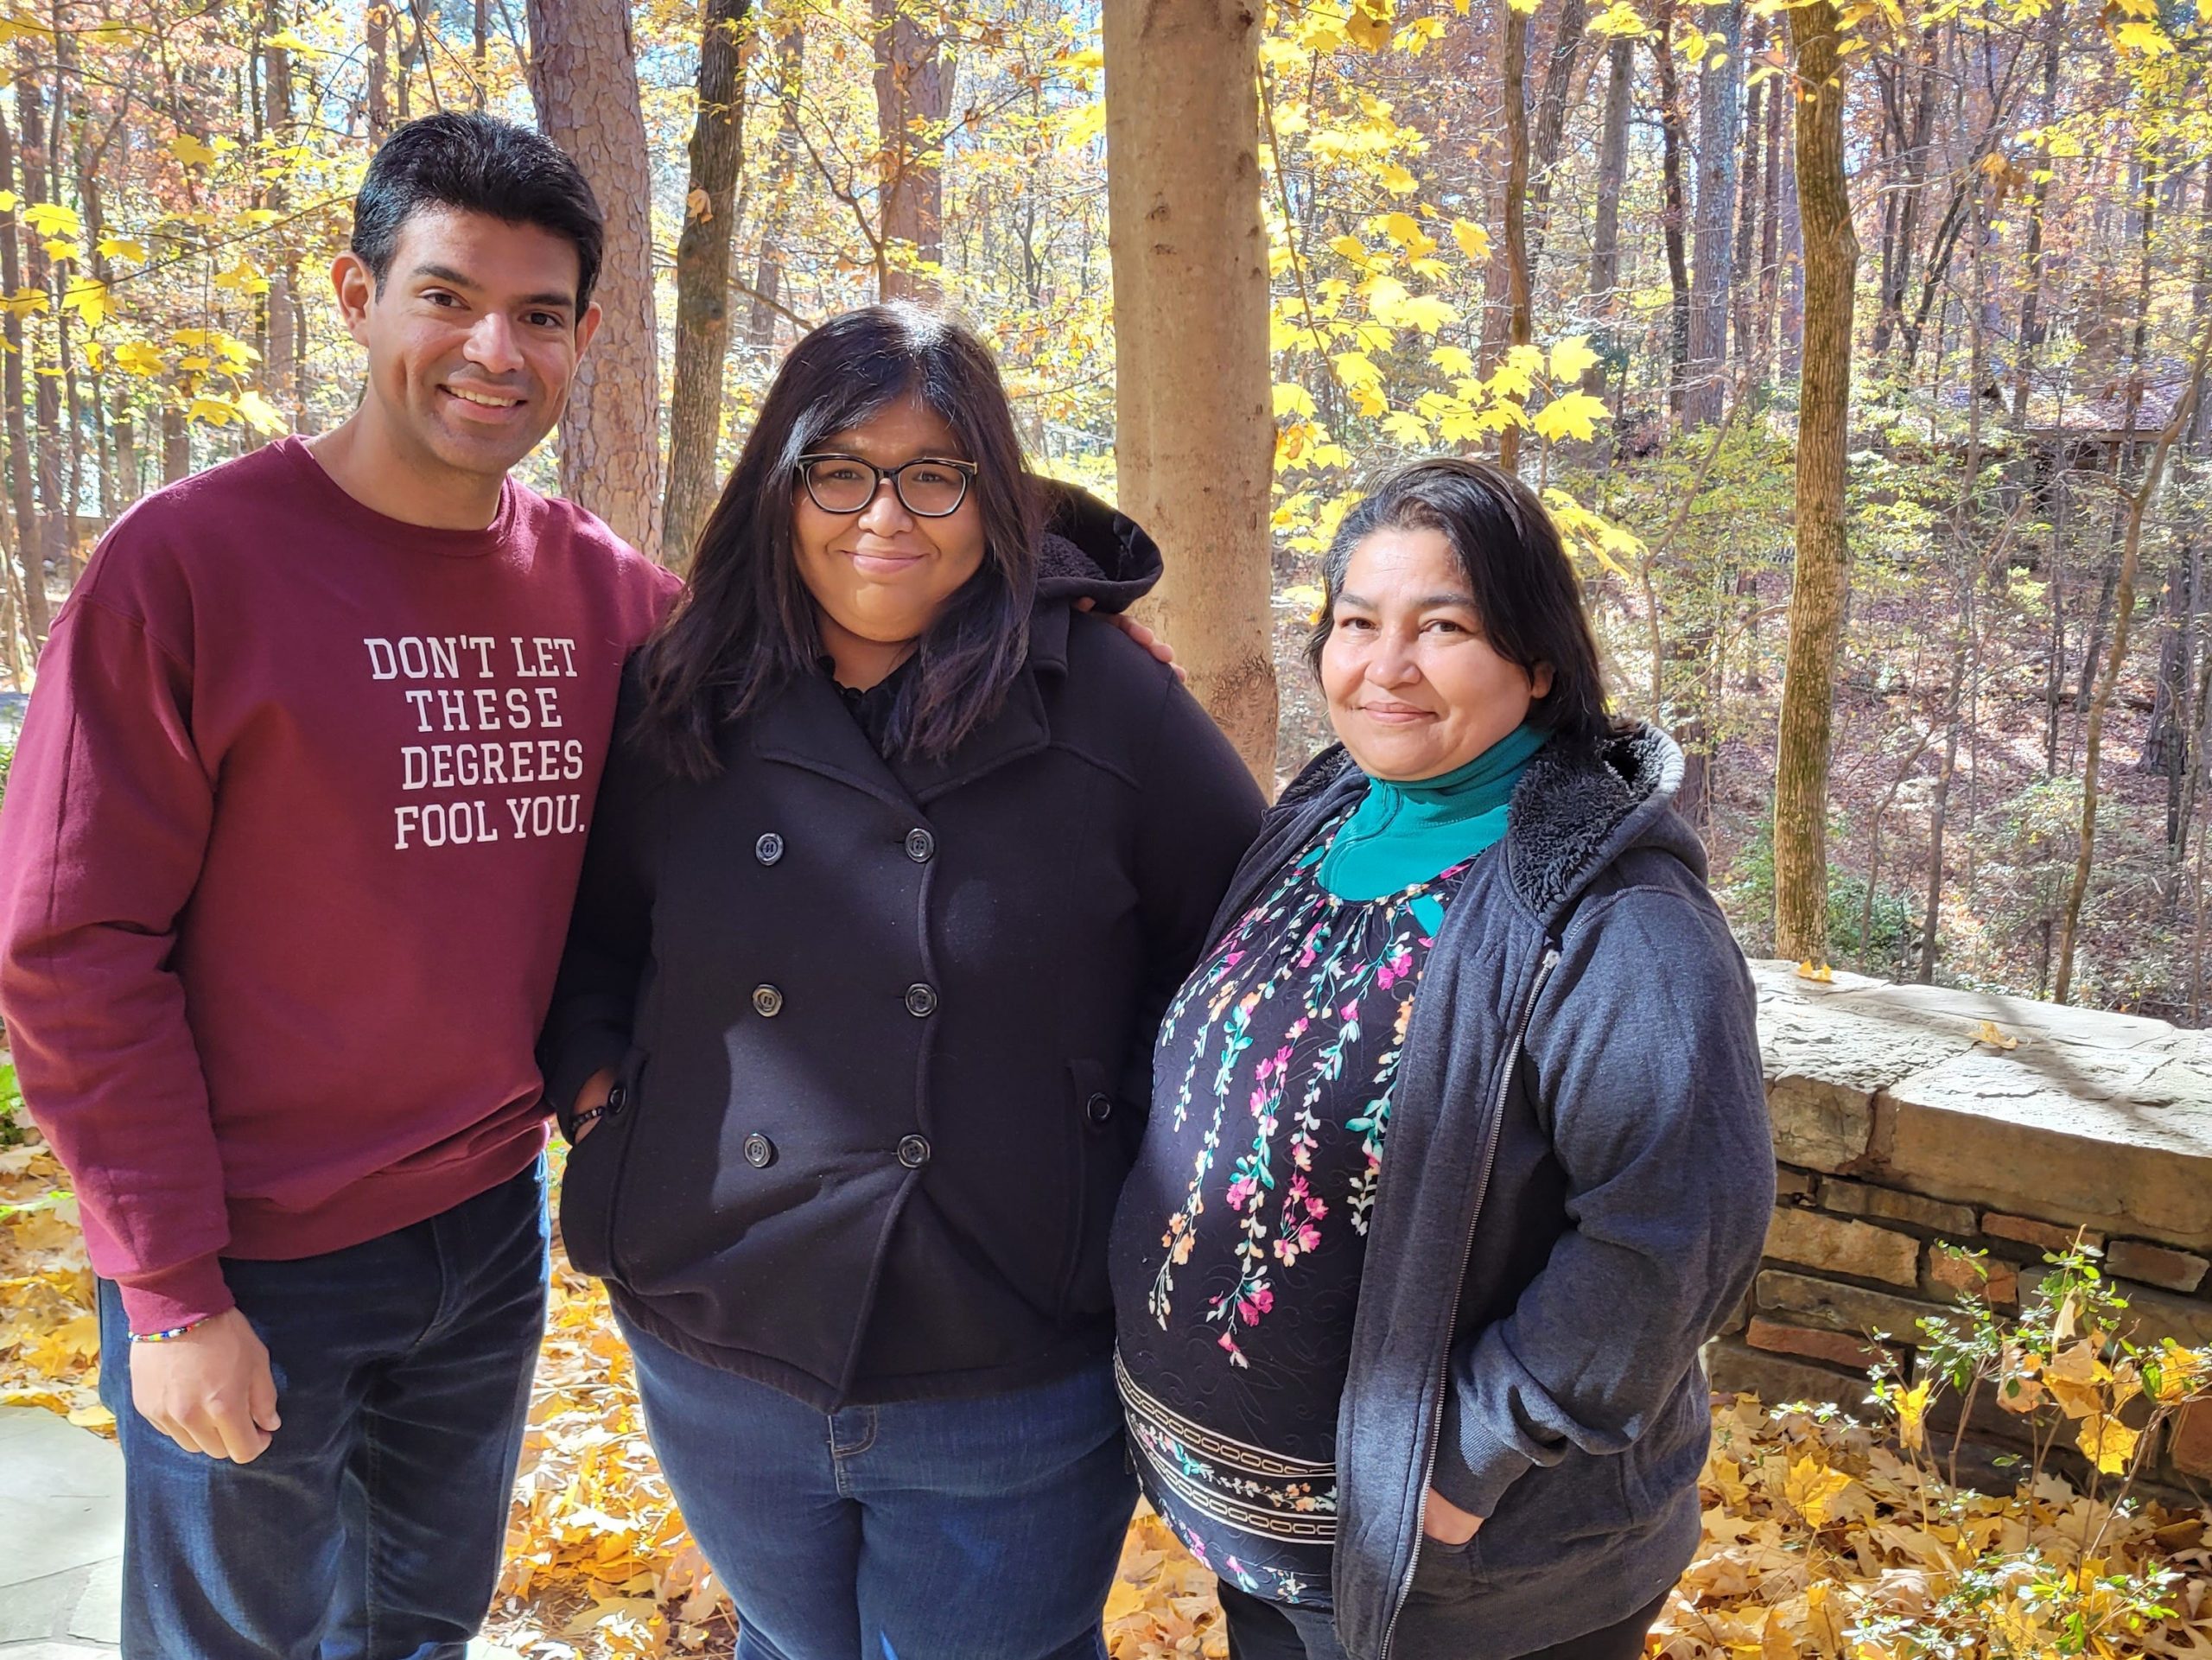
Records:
x=969, y=471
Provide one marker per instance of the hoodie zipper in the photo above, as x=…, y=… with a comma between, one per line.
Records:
x=1482, y=1190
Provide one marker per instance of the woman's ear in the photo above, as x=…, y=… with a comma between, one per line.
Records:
x=1540, y=680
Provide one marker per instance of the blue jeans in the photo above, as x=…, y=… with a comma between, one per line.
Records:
x=985, y=1529
x=371, y=1528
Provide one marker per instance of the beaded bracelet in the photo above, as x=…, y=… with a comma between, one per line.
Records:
x=170, y=1336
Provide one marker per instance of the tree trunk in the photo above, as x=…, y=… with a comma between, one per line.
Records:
x=2116, y=659
x=377, y=44
x=280, y=368
x=21, y=488
x=1673, y=214
x=1519, y=325
x=1912, y=144
x=1823, y=441
x=2031, y=330
x=1183, y=184
x=1743, y=278
x=55, y=517
x=1791, y=268
x=913, y=93
x=584, y=82
x=695, y=408
x=1720, y=114
x=1769, y=293
x=768, y=270
x=1550, y=133
x=1612, y=175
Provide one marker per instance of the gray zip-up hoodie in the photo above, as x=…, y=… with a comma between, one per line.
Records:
x=1577, y=1188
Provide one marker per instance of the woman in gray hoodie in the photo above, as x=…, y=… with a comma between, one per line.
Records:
x=1459, y=1148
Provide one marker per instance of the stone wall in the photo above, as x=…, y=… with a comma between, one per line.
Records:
x=1913, y=1124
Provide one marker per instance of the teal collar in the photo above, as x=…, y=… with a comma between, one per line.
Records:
x=1404, y=834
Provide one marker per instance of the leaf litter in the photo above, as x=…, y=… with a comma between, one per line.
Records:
x=1821, y=1537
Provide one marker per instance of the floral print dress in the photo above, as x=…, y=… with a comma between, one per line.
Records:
x=1242, y=1229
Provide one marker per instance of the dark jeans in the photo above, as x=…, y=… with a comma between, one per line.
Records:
x=985, y=1529
x=1259, y=1629
x=371, y=1529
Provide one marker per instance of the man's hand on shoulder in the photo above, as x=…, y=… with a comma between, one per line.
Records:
x=1143, y=636
x=209, y=1391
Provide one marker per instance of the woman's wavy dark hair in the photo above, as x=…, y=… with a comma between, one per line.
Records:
x=1524, y=588
x=748, y=626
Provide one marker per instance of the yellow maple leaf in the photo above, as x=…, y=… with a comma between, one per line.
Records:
x=2106, y=1443
x=1823, y=974
x=1473, y=240
x=190, y=151
x=1812, y=1488
x=1570, y=415
x=1989, y=1032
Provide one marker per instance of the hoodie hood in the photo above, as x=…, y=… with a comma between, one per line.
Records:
x=1577, y=809
x=1089, y=551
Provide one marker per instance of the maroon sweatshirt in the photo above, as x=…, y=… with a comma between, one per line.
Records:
x=287, y=859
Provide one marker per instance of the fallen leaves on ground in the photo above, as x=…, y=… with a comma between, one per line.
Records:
x=1820, y=1539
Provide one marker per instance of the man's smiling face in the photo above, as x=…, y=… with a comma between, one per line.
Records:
x=472, y=339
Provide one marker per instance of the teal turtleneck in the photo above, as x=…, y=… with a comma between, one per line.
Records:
x=1403, y=834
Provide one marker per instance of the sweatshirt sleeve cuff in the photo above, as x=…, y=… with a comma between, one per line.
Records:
x=1472, y=1471
x=182, y=1295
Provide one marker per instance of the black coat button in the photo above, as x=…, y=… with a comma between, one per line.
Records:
x=768, y=848
x=921, y=1000
x=1099, y=1108
x=913, y=1152
x=767, y=1002
x=759, y=1151
x=618, y=1099
x=921, y=846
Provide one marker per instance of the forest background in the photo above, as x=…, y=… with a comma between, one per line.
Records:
x=1574, y=235
x=1856, y=344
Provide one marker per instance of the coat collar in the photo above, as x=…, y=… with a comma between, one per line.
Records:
x=805, y=724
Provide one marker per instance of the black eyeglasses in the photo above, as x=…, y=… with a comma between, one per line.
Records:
x=929, y=486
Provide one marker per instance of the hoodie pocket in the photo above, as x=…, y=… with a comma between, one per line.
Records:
x=592, y=1181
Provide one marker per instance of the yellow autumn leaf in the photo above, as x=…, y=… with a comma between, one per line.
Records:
x=28, y=302
x=1399, y=181
x=1356, y=369
x=138, y=358
x=121, y=247
x=1571, y=359
x=1989, y=1032
x=1402, y=229
x=2106, y=1443
x=2146, y=39
x=1912, y=1412
x=51, y=218
x=1619, y=18
x=259, y=413
x=190, y=151
x=1570, y=415
x=1293, y=399
x=215, y=411
x=1426, y=313
x=1812, y=1488
x=1473, y=240
x=2181, y=1372
x=1821, y=975
x=89, y=298
x=1453, y=360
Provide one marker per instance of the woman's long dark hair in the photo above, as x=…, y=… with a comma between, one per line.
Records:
x=1522, y=583
x=746, y=626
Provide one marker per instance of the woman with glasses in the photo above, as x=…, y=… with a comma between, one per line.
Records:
x=898, y=858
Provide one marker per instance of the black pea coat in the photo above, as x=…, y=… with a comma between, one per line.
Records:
x=884, y=1029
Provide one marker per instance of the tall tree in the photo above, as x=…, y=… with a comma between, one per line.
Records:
x=1720, y=111
x=1673, y=210
x=1513, y=65
x=913, y=93
x=1194, y=428
x=783, y=171
x=1821, y=569
x=584, y=81
x=1612, y=172
x=1550, y=134
x=695, y=408
x=22, y=487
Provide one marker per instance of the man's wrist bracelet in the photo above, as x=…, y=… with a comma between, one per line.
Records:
x=172, y=1334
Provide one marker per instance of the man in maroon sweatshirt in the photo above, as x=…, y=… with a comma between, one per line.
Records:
x=284, y=871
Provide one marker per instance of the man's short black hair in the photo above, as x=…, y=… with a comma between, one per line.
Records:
x=479, y=165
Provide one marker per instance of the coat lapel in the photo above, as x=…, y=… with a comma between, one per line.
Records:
x=807, y=725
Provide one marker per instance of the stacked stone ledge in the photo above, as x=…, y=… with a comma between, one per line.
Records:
x=1925, y=1137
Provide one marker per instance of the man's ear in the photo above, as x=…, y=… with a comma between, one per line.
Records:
x=586, y=326
x=356, y=286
